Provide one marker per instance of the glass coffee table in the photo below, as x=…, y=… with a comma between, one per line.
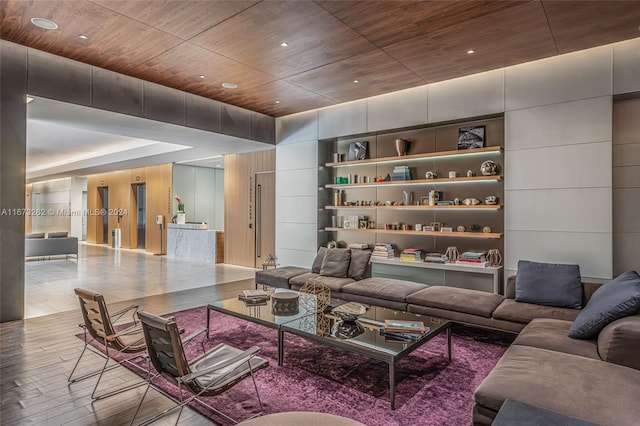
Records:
x=363, y=336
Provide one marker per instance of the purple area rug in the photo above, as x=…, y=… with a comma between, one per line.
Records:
x=430, y=390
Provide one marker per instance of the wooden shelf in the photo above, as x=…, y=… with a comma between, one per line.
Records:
x=462, y=207
x=496, y=178
x=415, y=157
x=444, y=266
x=489, y=235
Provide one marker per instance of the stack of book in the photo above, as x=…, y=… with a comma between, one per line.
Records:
x=436, y=258
x=473, y=258
x=254, y=297
x=403, y=330
x=411, y=255
x=383, y=250
x=401, y=173
x=358, y=246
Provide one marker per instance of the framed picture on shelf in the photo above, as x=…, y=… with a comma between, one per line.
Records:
x=424, y=201
x=471, y=137
x=358, y=150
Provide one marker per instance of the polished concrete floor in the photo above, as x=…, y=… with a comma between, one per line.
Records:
x=118, y=274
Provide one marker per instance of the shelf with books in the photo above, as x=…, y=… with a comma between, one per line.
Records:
x=488, y=235
x=478, y=207
x=420, y=182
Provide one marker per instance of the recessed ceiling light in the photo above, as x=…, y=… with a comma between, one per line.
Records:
x=230, y=85
x=471, y=52
x=284, y=44
x=276, y=102
x=44, y=23
x=356, y=81
x=202, y=76
x=84, y=36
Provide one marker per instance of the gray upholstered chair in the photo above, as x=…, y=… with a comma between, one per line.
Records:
x=210, y=374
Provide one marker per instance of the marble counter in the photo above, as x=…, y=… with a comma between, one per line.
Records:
x=192, y=242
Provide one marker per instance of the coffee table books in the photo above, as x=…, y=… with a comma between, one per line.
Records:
x=254, y=297
x=404, y=326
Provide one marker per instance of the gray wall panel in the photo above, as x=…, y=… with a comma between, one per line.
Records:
x=54, y=77
x=263, y=128
x=203, y=113
x=626, y=66
x=112, y=91
x=163, y=104
x=236, y=121
x=13, y=137
x=398, y=109
x=297, y=127
x=342, y=120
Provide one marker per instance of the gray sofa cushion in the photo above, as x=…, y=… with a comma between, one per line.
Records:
x=61, y=234
x=616, y=299
x=510, y=310
x=334, y=284
x=457, y=299
x=317, y=262
x=551, y=334
x=279, y=277
x=358, y=264
x=34, y=235
x=383, y=288
x=569, y=384
x=518, y=413
x=336, y=263
x=549, y=284
x=619, y=342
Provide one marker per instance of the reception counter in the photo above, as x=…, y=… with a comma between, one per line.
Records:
x=192, y=242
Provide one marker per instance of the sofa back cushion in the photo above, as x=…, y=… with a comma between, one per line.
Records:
x=359, y=263
x=34, y=235
x=618, y=298
x=61, y=234
x=317, y=262
x=587, y=289
x=549, y=284
x=619, y=342
x=336, y=263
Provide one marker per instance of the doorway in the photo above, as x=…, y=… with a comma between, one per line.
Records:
x=265, y=216
x=139, y=217
x=102, y=234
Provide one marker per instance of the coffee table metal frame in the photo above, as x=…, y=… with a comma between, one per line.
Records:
x=390, y=358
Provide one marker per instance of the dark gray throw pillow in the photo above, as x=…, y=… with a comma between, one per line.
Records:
x=317, y=262
x=61, y=234
x=336, y=263
x=549, y=284
x=34, y=235
x=359, y=263
x=616, y=299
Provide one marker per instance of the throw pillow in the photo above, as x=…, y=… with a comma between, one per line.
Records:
x=618, y=298
x=359, y=263
x=62, y=234
x=336, y=263
x=317, y=262
x=549, y=284
x=34, y=235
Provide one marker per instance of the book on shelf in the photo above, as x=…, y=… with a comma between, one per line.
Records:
x=411, y=255
x=473, y=264
x=401, y=337
x=403, y=326
x=473, y=255
x=383, y=250
x=436, y=258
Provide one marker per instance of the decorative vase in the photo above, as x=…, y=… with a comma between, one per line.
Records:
x=180, y=218
x=401, y=146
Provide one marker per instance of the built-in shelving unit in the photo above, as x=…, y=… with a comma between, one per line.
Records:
x=378, y=201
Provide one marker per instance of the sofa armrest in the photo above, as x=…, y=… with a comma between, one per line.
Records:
x=619, y=342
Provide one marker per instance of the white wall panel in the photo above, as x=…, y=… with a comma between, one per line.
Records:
x=579, y=75
x=301, y=258
x=297, y=127
x=296, y=183
x=575, y=210
x=626, y=66
x=302, y=155
x=297, y=209
x=344, y=119
x=398, y=109
x=471, y=96
x=626, y=154
x=571, y=166
x=296, y=236
x=592, y=251
x=566, y=123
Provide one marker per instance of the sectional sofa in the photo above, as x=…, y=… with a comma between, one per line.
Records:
x=56, y=243
x=595, y=379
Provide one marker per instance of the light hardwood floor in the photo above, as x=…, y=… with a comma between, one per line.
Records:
x=37, y=354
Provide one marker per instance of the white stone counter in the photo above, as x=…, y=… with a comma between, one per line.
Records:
x=191, y=242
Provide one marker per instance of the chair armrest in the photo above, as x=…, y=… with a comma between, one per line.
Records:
x=193, y=335
x=115, y=317
x=241, y=357
x=134, y=329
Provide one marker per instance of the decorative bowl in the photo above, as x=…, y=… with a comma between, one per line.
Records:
x=349, y=312
x=489, y=168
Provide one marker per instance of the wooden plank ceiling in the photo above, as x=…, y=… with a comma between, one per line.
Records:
x=384, y=45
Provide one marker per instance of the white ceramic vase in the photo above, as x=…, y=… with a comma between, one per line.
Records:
x=180, y=218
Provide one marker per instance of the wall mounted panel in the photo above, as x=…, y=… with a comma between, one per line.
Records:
x=236, y=121
x=344, y=119
x=626, y=66
x=203, y=113
x=54, y=77
x=263, y=128
x=290, y=257
x=296, y=236
x=579, y=75
x=297, y=156
x=296, y=183
x=398, y=109
x=116, y=92
x=163, y=104
x=297, y=209
x=297, y=127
